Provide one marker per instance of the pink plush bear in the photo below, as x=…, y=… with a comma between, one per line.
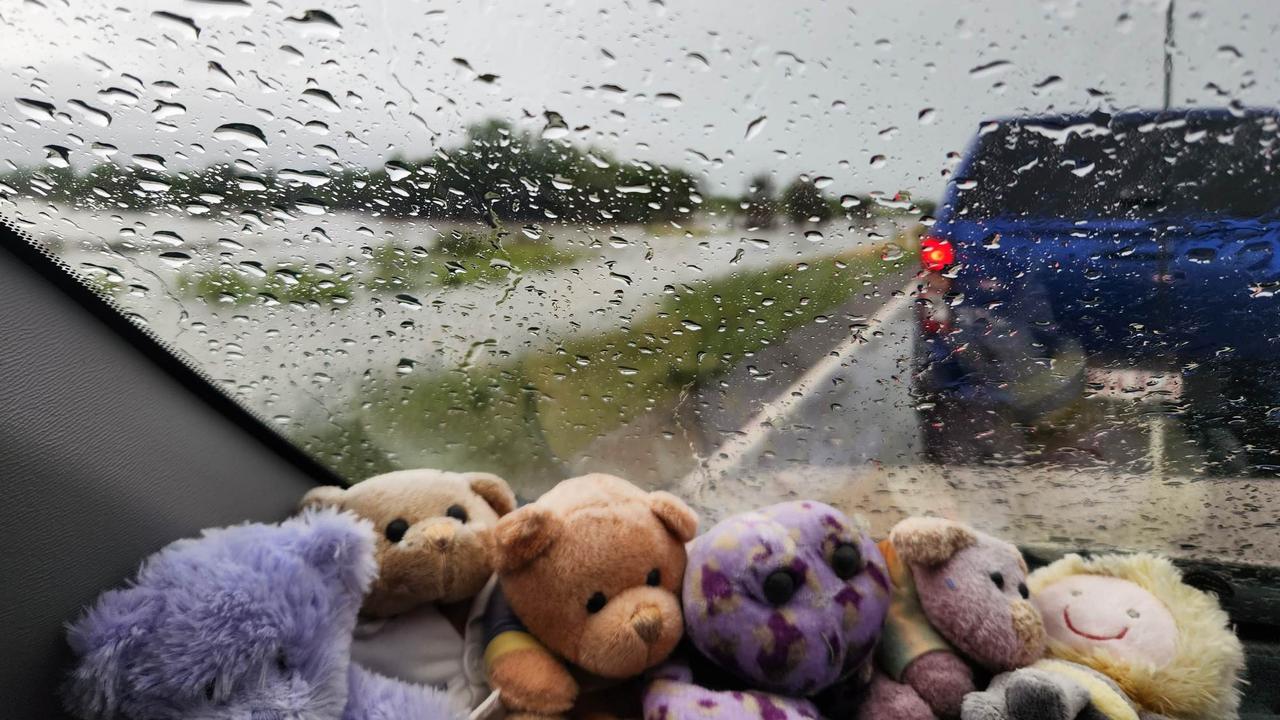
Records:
x=960, y=600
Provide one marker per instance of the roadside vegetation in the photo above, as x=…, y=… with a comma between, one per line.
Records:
x=527, y=417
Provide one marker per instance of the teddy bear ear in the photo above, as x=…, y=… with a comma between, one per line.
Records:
x=323, y=496
x=521, y=536
x=104, y=641
x=680, y=520
x=494, y=490
x=930, y=541
x=340, y=546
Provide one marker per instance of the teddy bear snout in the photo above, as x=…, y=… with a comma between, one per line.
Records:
x=647, y=622
x=1029, y=627
x=440, y=535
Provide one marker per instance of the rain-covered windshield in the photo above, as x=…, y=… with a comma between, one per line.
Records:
x=682, y=242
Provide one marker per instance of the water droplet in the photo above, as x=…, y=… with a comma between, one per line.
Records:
x=697, y=61
x=627, y=371
x=310, y=178
x=397, y=171
x=1202, y=255
x=556, y=128
x=848, y=201
x=878, y=161
x=36, y=109
x=755, y=126
x=57, y=156
x=322, y=98
x=405, y=366
x=101, y=118
x=118, y=96
x=316, y=22
x=891, y=252
x=813, y=236
x=175, y=258
x=927, y=116
x=822, y=181
x=243, y=133
x=533, y=232
x=165, y=109
x=668, y=100
x=988, y=69
x=183, y=23
x=1048, y=83
x=150, y=162
x=311, y=206
x=167, y=237
x=409, y=301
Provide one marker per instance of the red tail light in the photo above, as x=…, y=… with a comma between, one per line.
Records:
x=936, y=253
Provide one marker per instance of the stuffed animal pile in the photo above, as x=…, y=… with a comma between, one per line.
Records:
x=426, y=595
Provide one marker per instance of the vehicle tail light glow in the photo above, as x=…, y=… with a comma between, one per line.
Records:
x=936, y=253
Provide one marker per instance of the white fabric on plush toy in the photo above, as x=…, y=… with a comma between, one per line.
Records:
x=422, y=646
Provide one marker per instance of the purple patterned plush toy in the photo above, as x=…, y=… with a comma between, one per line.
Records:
x=251, y=622
x=787, y=602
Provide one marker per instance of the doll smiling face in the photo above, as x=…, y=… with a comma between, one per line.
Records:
x=1095, y=612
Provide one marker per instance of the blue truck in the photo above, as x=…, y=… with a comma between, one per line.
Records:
x=1128, y=259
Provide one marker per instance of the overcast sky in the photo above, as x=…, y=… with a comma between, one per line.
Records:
x=726, y=88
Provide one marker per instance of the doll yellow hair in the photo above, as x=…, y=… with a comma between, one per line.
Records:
x=1202, y=682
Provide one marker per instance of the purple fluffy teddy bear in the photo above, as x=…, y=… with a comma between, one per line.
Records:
x=251, y=622
x=783, y=606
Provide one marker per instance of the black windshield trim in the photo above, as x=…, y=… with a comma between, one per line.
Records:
x=53, y=269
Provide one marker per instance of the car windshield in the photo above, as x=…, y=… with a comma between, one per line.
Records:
x=1127, y=167
x=682, y=243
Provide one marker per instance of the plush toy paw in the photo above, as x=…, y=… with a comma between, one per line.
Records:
x=889, y=700
x=1029, y=694
x=374, y=697
x=532, y=681
x=1032, y=694
x=942, y=680
x=672, y=695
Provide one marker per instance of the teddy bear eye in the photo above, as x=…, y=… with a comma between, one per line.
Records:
x=1133, y=613
x=779, y=586
x=998, y=578
x=457, y=512
x=1024, y=591
x=596, y=603
x=846, y=561
x=654, y=578
x=396, y=529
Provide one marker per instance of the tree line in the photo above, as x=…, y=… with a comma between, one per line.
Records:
x=497, y=173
